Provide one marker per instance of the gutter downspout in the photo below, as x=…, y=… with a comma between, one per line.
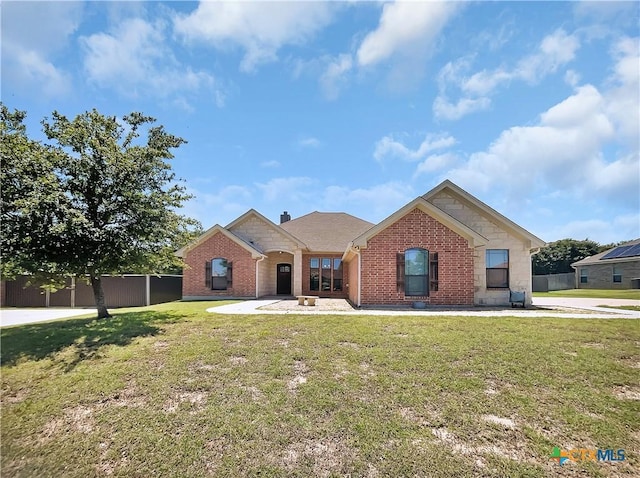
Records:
x=359, y=276
x=260, y=259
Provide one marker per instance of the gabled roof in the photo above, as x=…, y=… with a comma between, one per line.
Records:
x=602, y=258
x=326, y=231
x=438, y=214
x=253, y=213
x=218, y=229
x=485, y=210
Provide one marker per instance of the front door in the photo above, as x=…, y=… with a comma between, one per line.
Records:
x=283, y=282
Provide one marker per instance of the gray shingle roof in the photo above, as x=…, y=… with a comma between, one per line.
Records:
x=326, y=231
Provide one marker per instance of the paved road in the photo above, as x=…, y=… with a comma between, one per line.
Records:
x=29, y=316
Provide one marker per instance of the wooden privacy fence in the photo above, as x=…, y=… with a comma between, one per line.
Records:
x=129, y=290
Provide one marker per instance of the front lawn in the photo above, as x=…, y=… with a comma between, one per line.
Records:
x=592, y=293
x=171, y=390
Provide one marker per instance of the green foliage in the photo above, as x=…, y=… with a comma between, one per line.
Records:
x=100, y=199
x=557, y=257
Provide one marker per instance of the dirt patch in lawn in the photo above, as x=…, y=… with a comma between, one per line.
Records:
x=299, y=368
x=513, y=449
x=326, y=457
x=238, y=360
x=196, y=400
x=504, y=422
x=81, y=419
x=627, y=393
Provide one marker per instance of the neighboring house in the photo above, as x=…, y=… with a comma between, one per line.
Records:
x=616, y=268
x=443, y=248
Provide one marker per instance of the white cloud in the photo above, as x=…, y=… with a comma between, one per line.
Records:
x=43, y=27
x=221, y=207
x=405, y=29
x=33, y=33
x=298, y=195
x=33, y=69
x=442, y=108
x=135, y=60
x=393, y=148
x=554, y=51
x=572, y=78
x=335, y=76
x=271, y=164
x=607, y=11
x=435, y=162
x=309, y=142
x=564, y=151
x=373, y=203
x=259, y=28
x=291, y=189
x=623, y=99
x=603, y=231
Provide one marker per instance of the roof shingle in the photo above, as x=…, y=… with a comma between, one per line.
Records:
x=326, y=231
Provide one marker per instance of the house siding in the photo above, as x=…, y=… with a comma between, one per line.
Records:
x=417, y=229
x=600, y=276
x=266, y=238
x=218, y=245
x=269, y=277
x=499, y=238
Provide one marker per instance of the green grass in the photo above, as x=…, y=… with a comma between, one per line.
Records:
x=592, y=293
x=170, y=390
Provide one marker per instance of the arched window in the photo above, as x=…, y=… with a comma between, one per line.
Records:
x=218, y=273
x=416, y=272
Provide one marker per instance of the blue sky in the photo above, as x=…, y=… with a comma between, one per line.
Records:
x=358, y=106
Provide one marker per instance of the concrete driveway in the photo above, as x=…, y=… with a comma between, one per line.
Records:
x=29, y=316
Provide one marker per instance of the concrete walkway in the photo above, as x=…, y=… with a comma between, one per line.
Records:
x=555, y=307
x=29, y=316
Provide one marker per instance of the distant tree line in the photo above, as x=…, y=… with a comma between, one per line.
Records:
x=557, y=257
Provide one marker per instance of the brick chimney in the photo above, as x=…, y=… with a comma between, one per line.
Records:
x=284, y=217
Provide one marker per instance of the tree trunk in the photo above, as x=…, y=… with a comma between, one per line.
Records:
x=98, y=294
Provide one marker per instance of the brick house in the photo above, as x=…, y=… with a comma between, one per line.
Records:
x=443, y=248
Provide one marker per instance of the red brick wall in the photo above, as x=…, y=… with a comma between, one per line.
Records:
x=417, y=229
x=218, y=245
x=353, y=279
x=306, y=276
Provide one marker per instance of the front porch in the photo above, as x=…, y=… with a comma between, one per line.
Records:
x=283, y=273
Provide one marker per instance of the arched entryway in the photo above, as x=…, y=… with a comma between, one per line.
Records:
x=283, y=279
